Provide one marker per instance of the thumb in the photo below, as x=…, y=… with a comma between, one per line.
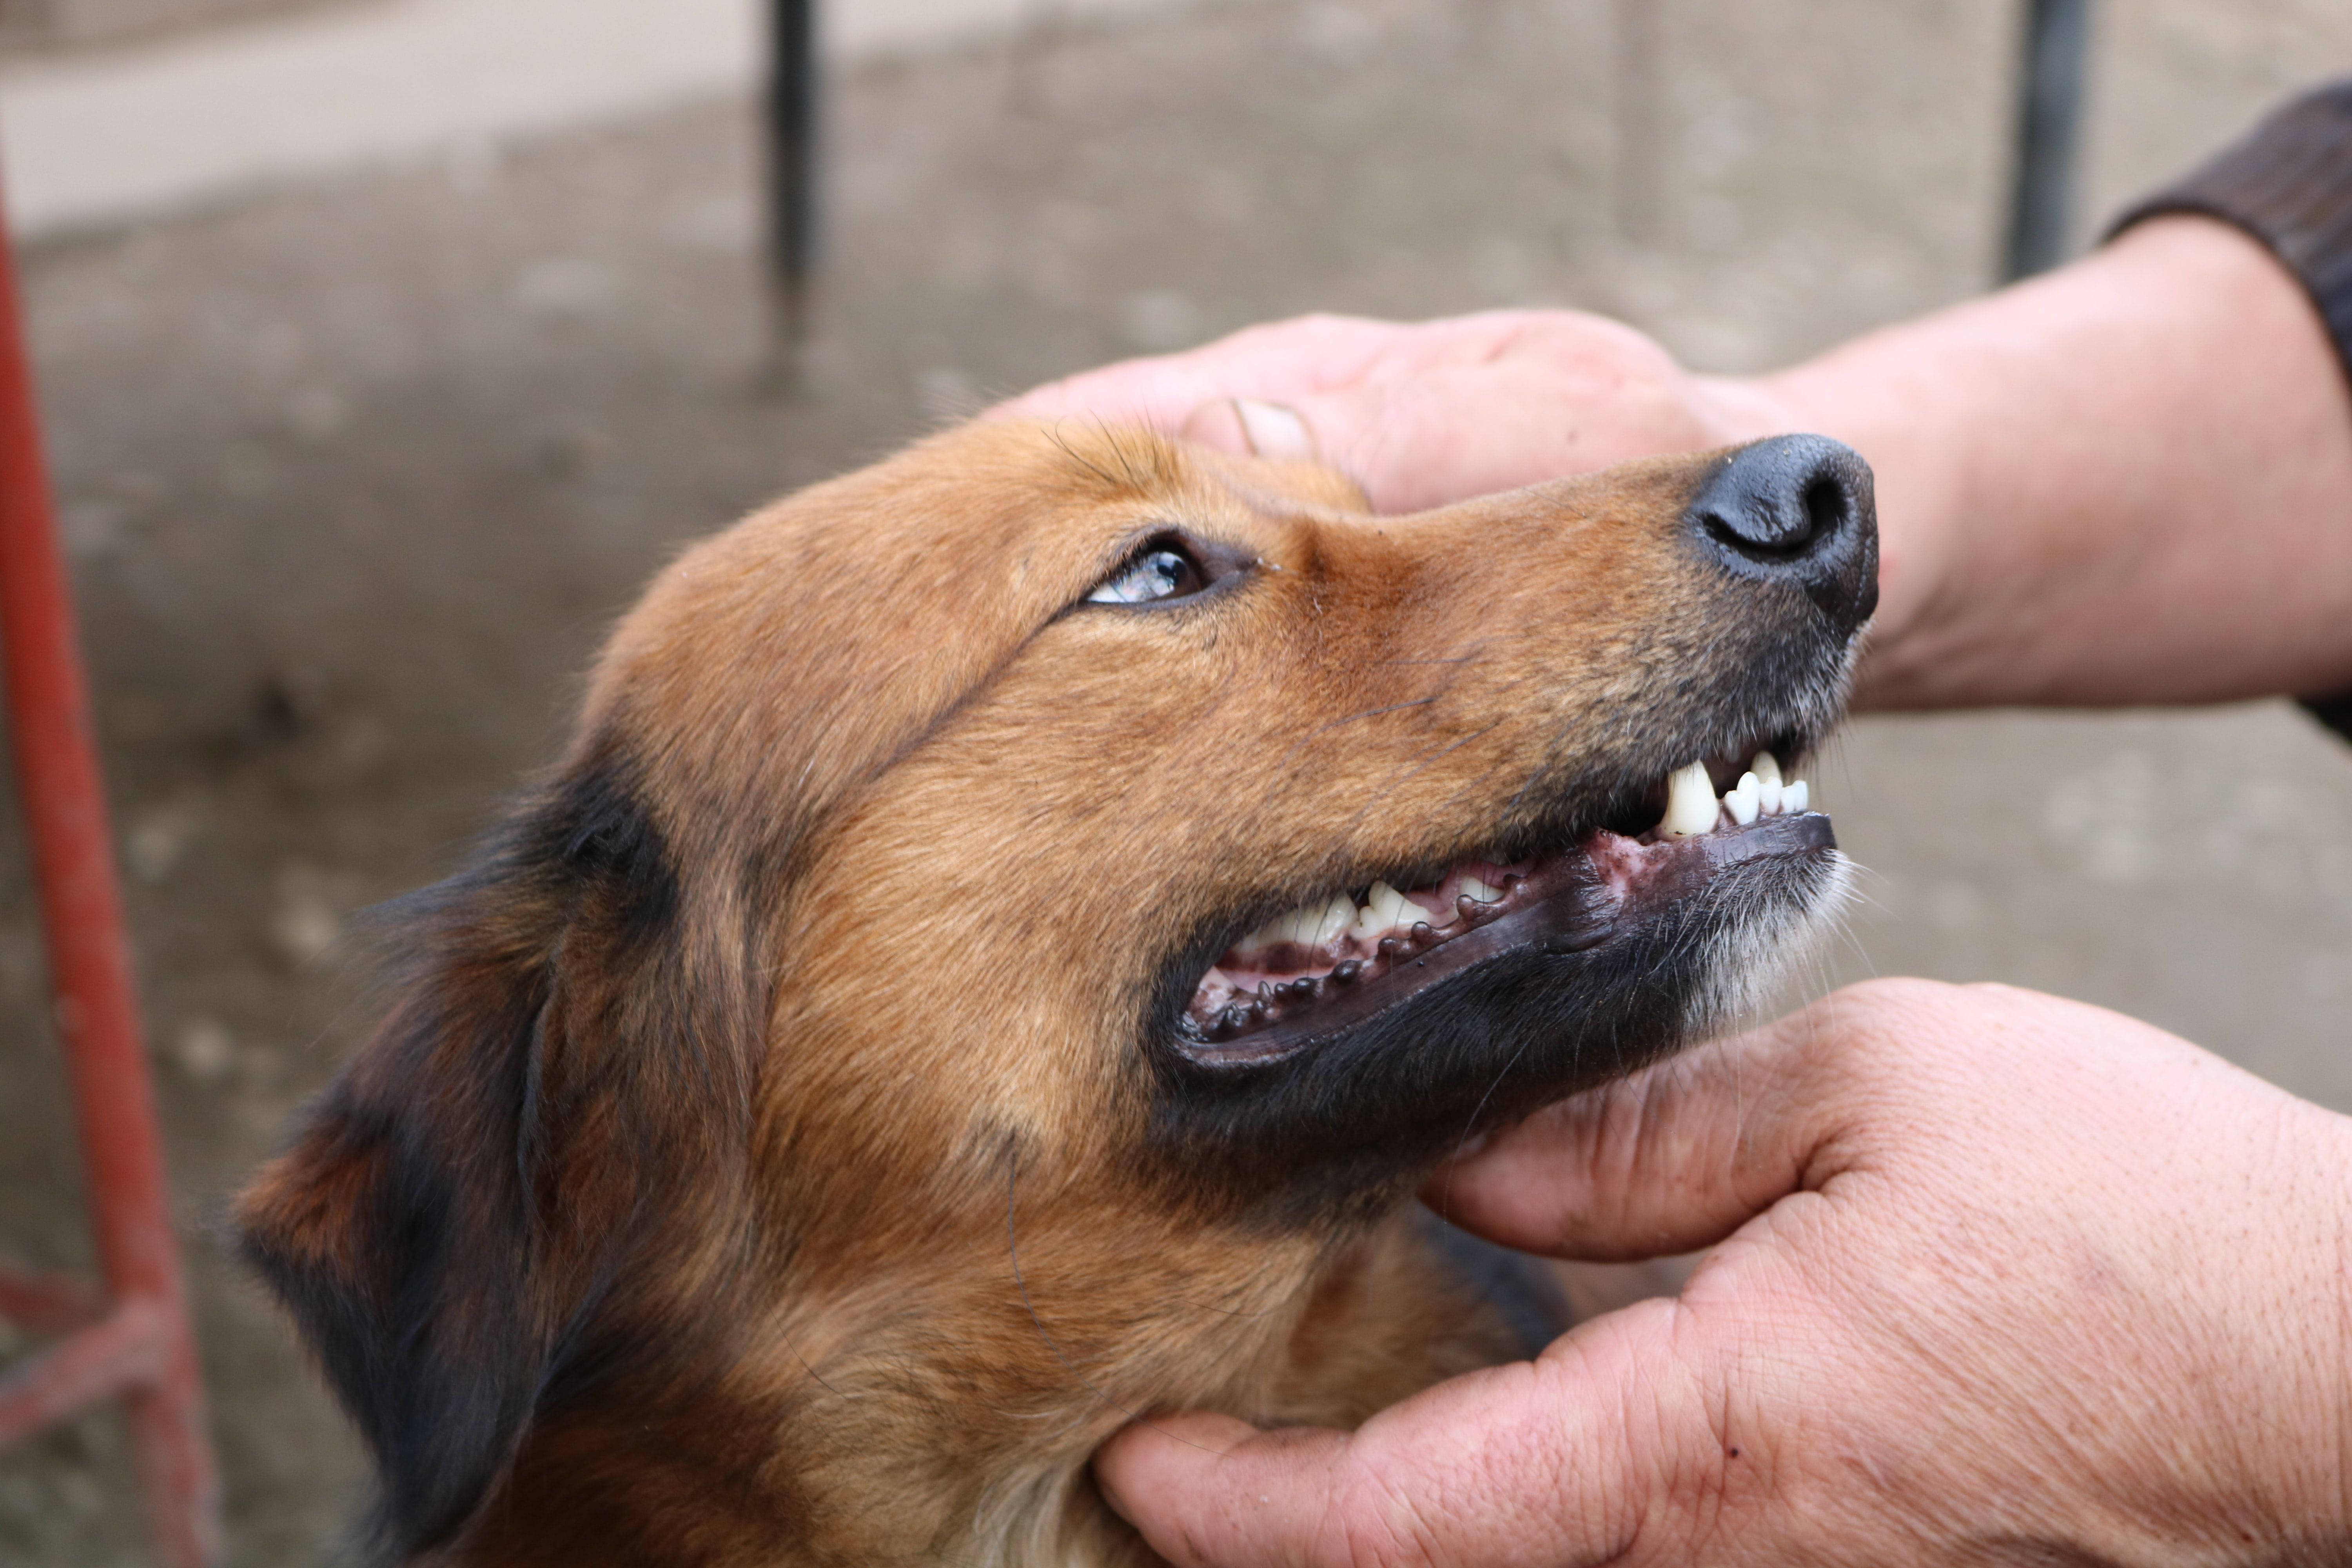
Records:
x=1553, y=1462
x=1680, y=1155
x=1249, y=426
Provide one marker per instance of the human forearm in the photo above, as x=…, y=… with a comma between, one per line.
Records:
x=2129, y=482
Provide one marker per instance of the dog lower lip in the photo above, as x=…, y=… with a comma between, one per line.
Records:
x=1565, y=903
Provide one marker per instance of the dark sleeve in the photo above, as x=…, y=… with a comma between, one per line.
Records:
x=2289, y=184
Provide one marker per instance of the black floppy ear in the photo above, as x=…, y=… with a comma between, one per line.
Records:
x=456, y=1204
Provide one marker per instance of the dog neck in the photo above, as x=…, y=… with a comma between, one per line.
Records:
x=951, y=1418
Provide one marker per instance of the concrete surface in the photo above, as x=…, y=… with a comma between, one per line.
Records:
x=355, y=474
x=94, y=139
x=58, y=25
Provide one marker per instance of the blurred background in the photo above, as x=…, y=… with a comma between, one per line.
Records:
x=387, y=344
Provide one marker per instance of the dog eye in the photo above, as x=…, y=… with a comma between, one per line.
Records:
x=1158, y=571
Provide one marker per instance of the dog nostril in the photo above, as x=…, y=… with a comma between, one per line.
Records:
x=1825, y=508
x=1795, y=510
x=1767, y=536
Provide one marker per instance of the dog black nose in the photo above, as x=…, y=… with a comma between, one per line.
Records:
x=1796, y=510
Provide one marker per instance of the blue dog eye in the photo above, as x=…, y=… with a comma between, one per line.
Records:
x=1152, y=575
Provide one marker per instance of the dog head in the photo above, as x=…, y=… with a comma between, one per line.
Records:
x=1010, y=920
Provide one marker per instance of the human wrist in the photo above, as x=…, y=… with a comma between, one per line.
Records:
x=2332, y=1362
x=2053, y=460
x=2288, y=1428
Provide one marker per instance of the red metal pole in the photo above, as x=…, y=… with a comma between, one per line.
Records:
x=108, y=1360
x=64, y=806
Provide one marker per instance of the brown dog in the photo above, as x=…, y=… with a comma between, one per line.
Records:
x=1015, y=927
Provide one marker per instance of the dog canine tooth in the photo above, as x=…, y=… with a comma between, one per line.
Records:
x=1766, y=767
x=1690, y=802
x=1482, y=893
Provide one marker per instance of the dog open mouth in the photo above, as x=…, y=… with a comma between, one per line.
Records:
x=1334, y=962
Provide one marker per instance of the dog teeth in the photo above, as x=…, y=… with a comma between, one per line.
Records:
x=1766, y=772
x=1337, y=917
x=1692, y=808
x=1744, y=799
x=1385, y=907
x=1471, y=887
x=1690, y=802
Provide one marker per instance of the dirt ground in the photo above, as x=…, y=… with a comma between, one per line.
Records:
x=354, y=477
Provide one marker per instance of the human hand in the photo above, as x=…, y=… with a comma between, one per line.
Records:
x=1427, y=413
x=1995, y=1278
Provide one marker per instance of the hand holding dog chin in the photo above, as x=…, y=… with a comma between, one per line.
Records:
x=1995, y=1278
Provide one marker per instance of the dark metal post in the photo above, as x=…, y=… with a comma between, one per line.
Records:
x=792, y=150
x=2049, y=130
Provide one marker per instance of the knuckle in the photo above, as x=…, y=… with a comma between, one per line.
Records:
x=1875, y=1021
x=1898, y=993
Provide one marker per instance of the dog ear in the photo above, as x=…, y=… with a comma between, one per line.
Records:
x=456, y=1204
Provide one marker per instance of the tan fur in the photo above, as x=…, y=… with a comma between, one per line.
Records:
x=871, y=1119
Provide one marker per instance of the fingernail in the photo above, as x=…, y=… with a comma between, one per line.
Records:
x=1218, y=424
x=1274, y=431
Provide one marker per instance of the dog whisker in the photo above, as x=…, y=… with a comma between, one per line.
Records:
x=1329, y=725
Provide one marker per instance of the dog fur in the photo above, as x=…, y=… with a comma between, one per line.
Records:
x=784, y=1146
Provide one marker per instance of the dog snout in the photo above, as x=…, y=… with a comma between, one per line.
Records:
x=1796, y=510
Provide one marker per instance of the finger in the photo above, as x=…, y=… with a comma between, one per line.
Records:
x=1260, y=429
x=1680, y=1155
x=1209, y=1489
x=1556, y=1462
x=1280, y=362
x=1409, y=445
